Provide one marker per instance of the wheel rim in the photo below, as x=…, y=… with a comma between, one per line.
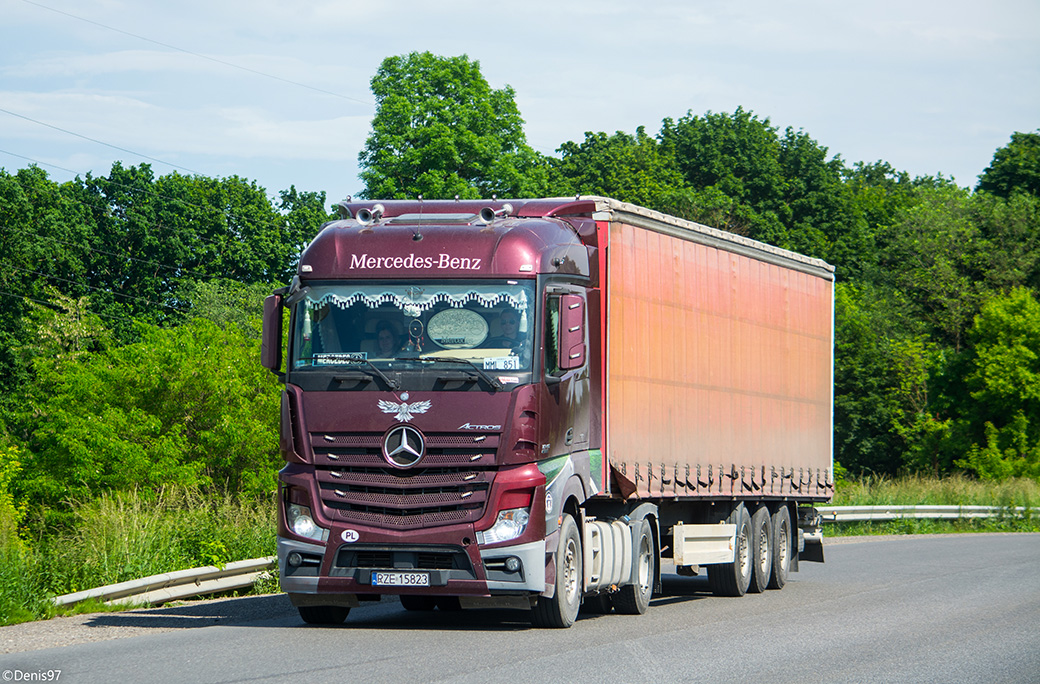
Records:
x=570, y=570
x=784, y=542
x=742, y=551
x=644, y=566
x=764, y=558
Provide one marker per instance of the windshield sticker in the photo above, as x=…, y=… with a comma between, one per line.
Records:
x=457, y=328
x=502, y=363
x=339, y=357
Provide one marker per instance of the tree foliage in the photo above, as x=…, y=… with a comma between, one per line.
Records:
x=629, y=168
x=1015, y=167
x=440, y=130
x=183, y=406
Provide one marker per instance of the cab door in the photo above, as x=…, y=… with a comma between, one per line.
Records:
x=566, y=406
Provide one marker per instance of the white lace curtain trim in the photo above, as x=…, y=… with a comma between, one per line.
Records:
x=424, y=302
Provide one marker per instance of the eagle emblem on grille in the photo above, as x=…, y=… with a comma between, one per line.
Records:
x=404, y=411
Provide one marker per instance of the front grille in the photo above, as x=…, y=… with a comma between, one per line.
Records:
x=450, y=485
x=374, y=559
x=404, y=558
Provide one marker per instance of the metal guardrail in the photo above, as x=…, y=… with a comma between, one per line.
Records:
x=177, y=585
x=240, y=574
x=867, y=513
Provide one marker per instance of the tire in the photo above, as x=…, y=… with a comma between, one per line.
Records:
x=418, y=603
x=782, y=546
x=761, y=550
x=732, y=579
x=561, y=610
x=634, y=599
x=323, y=615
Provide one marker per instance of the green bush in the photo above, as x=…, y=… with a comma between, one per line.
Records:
x=187, y=406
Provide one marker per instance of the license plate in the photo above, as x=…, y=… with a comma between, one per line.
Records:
x=400, y=579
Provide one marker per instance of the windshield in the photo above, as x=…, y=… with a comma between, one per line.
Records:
x=487, y=324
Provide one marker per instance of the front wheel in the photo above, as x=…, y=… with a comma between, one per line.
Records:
x=562, y=609
x=634, y=599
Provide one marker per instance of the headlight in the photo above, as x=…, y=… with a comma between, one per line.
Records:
x=301, y=523
x=509, y=525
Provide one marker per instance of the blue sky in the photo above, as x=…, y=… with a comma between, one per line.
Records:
x=278, y=92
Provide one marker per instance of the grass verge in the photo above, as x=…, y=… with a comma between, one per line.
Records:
x=126, y=536
x=954, y=490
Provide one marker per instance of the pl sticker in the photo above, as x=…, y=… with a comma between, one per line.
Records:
x=350, y=536
x=548, y=502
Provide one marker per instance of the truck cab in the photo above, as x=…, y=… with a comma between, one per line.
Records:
x=437, y=387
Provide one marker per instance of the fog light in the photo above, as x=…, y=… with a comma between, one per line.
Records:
x=512, y=564
x=295, y=559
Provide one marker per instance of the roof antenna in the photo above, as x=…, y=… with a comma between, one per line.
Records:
x=418, y=236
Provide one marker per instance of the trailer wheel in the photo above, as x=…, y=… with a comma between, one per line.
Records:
x=323, y=615
x=420, y=603
x=781, y=548
x=732, y=579
x=761, y=550
x=562, y=609
x=634, y=599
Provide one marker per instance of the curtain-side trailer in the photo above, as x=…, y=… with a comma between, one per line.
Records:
x=536, y=403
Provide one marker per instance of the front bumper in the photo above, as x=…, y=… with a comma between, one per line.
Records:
x=451, y=569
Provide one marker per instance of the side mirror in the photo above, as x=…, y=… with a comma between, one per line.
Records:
x=271, y=338
x=572, y=332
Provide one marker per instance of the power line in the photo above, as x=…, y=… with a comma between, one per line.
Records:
x=99, y=142
x=202, y=207
x=39, y=163
x=199, y=55
x=153, y=193
x=51, y=305
x=98, y=289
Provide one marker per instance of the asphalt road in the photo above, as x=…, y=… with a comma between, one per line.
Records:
x=945, y=609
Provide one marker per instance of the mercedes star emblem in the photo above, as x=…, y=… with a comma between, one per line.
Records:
x=403, y=446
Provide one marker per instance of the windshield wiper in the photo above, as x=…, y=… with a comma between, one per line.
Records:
x=392, y=384
x=490, y=379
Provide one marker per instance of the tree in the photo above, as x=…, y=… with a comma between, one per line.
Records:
x=1004, y=384
x=865, y=380
x=41, y=246
x=780, y=189
x=1015, y=167
x=629, y=168
x=932, y=253
x=440, y=130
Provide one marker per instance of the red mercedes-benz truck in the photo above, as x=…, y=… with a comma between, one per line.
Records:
x=538, y=403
